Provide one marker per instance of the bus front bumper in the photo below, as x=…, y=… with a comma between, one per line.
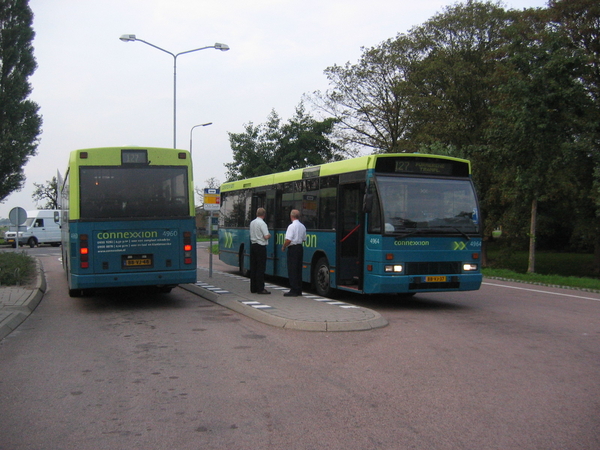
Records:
x=393, y=284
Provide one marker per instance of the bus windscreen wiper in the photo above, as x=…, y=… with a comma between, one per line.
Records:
x=465, y=235
x=413, y=232
x=432, y=230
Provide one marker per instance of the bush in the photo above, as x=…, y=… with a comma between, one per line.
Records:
x=546, y=263
x=16, y=268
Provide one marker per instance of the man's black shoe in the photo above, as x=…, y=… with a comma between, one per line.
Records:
x=264, y=291
x=290, y=294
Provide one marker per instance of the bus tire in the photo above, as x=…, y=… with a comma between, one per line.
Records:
x=243, y=271
x=321, y=275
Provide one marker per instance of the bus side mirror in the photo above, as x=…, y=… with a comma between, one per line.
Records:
x=368, y=203
x=56, y=217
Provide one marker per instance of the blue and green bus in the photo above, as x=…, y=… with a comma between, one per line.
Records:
x=388, y=223
x=128, y=219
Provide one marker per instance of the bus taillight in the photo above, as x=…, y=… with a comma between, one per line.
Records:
x=84, y=251
x=187, y=247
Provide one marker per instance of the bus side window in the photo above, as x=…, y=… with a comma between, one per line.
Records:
x=375, y=214
x=328, y=203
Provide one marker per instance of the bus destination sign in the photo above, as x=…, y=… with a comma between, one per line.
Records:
x=434, y=167
x=421, y=166
x=134, y=157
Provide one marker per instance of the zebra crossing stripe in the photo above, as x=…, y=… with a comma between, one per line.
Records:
x=255, y=304
x=211, y=288
x=258, y=305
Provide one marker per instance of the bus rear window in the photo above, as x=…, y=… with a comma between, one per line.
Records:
x=133, y=192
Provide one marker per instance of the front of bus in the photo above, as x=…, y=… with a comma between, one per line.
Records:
x=423, y=230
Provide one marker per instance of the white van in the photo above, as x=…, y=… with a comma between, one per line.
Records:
x=41, y=227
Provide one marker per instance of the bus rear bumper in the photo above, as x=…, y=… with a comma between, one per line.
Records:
x=410, y=284
x=98, y=281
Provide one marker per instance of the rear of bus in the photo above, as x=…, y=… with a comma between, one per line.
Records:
x=128, y=219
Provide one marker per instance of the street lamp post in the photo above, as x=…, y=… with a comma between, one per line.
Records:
x=196, y=126
x=210, y=217
x=217, y=46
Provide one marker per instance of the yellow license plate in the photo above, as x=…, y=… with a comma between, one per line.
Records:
x=435, y=279
x=138, y=262
x=134, y=261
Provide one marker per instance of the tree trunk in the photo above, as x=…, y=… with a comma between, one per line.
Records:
x=532, y=230
x=484, y=258
x=597, y=254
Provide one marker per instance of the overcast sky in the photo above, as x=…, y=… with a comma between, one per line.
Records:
x=95, y=90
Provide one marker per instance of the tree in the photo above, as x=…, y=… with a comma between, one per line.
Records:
x=371, y=100
x=276, y=147
x=47, y=193
x=20, y=123
x=539, y=116
x=453, y=77
x=580, y=20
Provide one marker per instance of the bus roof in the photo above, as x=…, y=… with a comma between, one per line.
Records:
x=323, y=170
x=111, y=156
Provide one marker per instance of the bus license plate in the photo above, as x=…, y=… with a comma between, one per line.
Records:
x=133, y=261
x=435, y=279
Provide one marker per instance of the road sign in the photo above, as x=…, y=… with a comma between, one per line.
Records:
x=17, y=216
x=212, y=199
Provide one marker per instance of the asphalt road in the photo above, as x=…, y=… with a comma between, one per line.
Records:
x=511, y=366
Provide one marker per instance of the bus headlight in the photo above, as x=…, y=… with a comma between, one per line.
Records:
x=469, y=267
x=396, y=268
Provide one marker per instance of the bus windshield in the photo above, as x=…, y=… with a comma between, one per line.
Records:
x=133, y=192
x=425, y=205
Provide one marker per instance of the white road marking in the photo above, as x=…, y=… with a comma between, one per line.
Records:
x=543, y=292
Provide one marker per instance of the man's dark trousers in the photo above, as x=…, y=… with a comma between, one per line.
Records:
x=294, y=263
x=258, y=264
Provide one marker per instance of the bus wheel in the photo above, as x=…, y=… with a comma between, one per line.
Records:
x=321, y=277
x=31, y=242
x=243, y=271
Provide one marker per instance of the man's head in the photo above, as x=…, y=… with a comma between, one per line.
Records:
x=295, y=214
x=260, y=212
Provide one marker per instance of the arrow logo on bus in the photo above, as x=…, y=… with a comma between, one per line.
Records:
x=459, y=245
x=228, y=239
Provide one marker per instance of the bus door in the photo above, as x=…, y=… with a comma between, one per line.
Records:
x=350, y=236
x=267, y=200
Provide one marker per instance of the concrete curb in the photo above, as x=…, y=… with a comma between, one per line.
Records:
x=18, y=303
x=233, y=302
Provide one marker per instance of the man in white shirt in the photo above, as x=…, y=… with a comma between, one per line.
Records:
x=294, y=238
x=259, y=238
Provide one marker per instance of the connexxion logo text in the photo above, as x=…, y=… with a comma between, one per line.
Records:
x=103, y=235
x=411, y=243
